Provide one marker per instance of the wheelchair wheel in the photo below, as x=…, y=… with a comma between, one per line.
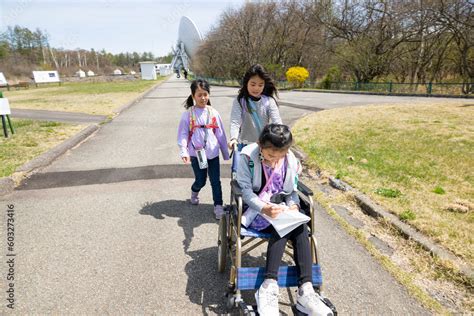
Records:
x=222, y=244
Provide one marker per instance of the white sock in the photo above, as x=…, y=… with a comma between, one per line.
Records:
x=267, y=282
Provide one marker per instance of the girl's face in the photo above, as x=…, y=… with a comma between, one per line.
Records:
x=272, y=155
x=255, y=86
x=201, y=97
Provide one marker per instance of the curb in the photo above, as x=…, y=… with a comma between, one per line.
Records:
x=372, y=209
x=7, y=184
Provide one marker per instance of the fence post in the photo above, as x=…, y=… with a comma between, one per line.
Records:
x=356, y=88
x=430, y=87
x=390, y=85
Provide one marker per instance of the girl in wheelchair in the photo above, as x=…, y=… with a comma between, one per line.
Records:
x=268, y=169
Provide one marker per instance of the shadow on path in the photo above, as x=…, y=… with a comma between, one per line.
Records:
x=205, y=286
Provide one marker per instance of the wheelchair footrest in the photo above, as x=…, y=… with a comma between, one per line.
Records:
x=252, y=278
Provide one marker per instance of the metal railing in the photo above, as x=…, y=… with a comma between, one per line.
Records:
x=393, y=88
x=426, y=88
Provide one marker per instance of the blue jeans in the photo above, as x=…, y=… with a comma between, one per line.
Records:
x=200, y=176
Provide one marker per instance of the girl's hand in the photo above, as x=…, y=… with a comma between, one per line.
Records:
x=186, y=159
x=272, y=210
x=231, y=143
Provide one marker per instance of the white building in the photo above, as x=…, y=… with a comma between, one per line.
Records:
x=117, y=72
x=148, y=70
x=163, y=69
x=90, y=73
x=80, y=73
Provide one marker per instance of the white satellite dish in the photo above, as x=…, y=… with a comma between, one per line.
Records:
x=189, y=39
x=189, y=34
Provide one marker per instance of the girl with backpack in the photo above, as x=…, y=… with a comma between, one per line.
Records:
x=200, y=137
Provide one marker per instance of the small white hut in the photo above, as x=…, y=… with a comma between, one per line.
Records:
x=148, y=70
x=117, y=72
x=90, y=73
x=80, y=73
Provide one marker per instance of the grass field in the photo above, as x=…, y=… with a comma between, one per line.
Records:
x=416, y=160
x=99, y=98
x=31, y=139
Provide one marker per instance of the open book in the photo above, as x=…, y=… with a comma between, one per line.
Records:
x=286, y=221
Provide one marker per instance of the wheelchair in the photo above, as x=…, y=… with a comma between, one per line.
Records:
x=235, y=241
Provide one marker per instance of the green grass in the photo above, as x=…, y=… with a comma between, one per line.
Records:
x=407, y=216
x=404, y=157
x=31, y=139
x=390, y=193
x=439, y=190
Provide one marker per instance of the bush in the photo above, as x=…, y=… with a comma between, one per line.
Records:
x=333, y=75
x=297, y=76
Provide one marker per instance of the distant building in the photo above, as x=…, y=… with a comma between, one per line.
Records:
x=90, y=73
x=163, y=69
x=80, y=73
x=132, y=72
x=148, y=70
x=117, y=72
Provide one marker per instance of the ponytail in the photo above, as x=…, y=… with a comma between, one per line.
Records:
x=189, y=102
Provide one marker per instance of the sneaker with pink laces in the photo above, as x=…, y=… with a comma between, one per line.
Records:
x=194, y=198
x=218, y=211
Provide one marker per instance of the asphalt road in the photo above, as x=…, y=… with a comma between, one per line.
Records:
x=106, y=229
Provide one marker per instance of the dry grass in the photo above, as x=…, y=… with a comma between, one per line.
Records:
x=415, y=149
x=434, y=283
x=32, y=138
x=99, y=98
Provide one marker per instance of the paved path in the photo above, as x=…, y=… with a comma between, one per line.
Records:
x=106, y=228
x=57, y=116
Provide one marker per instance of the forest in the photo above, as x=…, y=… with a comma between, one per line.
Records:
x=23, y=50
x=345, y=40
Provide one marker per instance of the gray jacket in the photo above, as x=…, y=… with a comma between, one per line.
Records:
x=251, y=182
x=242, y=126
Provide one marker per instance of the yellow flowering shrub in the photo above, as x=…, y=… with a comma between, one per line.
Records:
x=297, y=75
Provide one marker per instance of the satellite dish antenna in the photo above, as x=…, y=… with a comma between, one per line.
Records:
x=189, y=39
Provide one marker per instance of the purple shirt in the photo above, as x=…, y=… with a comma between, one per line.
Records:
x=215, y=137
x=275, y=186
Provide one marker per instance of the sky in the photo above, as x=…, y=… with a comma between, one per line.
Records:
x=114, y=25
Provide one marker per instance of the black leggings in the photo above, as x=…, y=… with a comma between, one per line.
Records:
x=302, y=253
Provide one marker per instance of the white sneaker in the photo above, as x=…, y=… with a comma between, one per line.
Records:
x=310, y=303
x=267, y=299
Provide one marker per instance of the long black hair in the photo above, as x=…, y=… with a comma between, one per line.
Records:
x=269, y=89
x=276, y=136
x=198, y=83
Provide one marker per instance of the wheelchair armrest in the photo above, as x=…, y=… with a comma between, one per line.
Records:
x=304, y=189
x=236, y=188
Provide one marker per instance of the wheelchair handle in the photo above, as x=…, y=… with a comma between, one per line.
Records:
x=304, y=189
x=236, y=188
